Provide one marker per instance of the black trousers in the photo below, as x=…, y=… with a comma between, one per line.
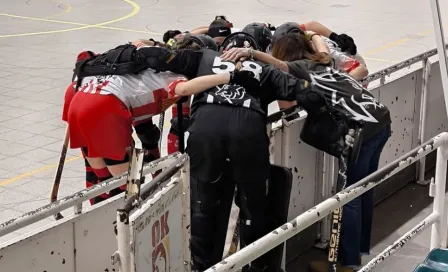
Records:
x=218, y=133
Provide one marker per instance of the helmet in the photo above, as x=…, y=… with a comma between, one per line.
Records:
x=261, y=33
x=205, y=41
x=286, y=28
x=239, y=39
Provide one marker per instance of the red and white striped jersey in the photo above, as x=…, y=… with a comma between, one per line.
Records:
x=145, y=94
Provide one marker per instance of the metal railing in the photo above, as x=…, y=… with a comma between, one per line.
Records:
x=76, y=199
x=437, y=219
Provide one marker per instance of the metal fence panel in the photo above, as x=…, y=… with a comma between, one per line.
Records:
x=49, y=250
x=437, y=121
x=158, y=234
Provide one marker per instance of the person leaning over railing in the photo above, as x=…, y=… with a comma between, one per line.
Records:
x=293, y=53
x=229, y=121
x=102, y=111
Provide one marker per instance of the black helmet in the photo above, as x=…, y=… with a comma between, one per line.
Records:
x=286, y=28
x=205, y=41
x=240, y=40
x=261, y=33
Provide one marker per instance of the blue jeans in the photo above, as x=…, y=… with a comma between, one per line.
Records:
x=357, y=215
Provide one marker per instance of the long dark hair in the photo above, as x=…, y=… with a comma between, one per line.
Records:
x=295, y=46
x=185, y=42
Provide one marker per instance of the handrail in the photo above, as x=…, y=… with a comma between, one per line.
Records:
x=79, y=197
x=155, y=183
x=306, y=219
x=396, y=67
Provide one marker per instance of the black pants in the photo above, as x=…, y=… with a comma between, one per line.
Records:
x=219, y=132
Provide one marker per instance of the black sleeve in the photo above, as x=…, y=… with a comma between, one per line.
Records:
x=186, y=62
x=299, y=69
x=281, y=85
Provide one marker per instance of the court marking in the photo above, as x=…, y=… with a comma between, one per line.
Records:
x=137, y=7
x=135, y=10
x=74, y=23
x=35, y=171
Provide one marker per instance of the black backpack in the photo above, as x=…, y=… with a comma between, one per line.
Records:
x=118, y=61
x=327, y=125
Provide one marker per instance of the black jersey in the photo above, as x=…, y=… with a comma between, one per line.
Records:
x=344, y=93
x=274, y=84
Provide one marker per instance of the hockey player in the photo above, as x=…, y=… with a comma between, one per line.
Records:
x=293, y=53
x=101, y=112
x=229, y=121
x=187, y=41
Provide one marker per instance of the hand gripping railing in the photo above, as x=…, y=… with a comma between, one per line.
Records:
x=288, y=230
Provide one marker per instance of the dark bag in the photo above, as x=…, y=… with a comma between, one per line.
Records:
x=118, y=61
x=326, y=126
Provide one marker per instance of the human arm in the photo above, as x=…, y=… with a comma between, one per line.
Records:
x=235, y=54
x=198, y=84
x=345, y=42
x=199, y=30
x=319, y=44
x=283, y=86
x=185, y=62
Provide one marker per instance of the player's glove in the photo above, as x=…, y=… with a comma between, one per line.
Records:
x=345, y=42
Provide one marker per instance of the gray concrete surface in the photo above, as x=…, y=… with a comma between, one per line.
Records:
x=39, y=41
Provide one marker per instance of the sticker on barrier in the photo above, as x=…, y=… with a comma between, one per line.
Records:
x=158, y=233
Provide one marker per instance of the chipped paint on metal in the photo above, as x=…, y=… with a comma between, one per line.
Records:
x=78, y=197
x=396, y=67
x=286, y=231
x=400, y=243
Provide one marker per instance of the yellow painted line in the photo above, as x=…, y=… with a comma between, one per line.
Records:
x=381, y=60
x=136, y=9
x=74, y=23
x=34, y=172
x=384, y=47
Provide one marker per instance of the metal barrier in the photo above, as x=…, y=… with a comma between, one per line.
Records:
x=143, y=237
x=437, y=219
x=78, y=198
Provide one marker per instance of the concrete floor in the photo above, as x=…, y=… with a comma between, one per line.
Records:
x=39, y=41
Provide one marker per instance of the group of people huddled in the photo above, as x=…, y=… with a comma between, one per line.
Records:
x=229, y=77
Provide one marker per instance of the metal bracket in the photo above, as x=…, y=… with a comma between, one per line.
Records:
x=432, y=188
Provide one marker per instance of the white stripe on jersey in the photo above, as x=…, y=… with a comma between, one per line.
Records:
x=133, y=90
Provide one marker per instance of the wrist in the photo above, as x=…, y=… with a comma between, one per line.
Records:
x=312, y=36
x=251, y=53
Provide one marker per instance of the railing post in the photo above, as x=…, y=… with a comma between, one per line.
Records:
x=422, y=126
x=439, y=231
x=441, y=49
x=124, y=241
x=185, y=177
